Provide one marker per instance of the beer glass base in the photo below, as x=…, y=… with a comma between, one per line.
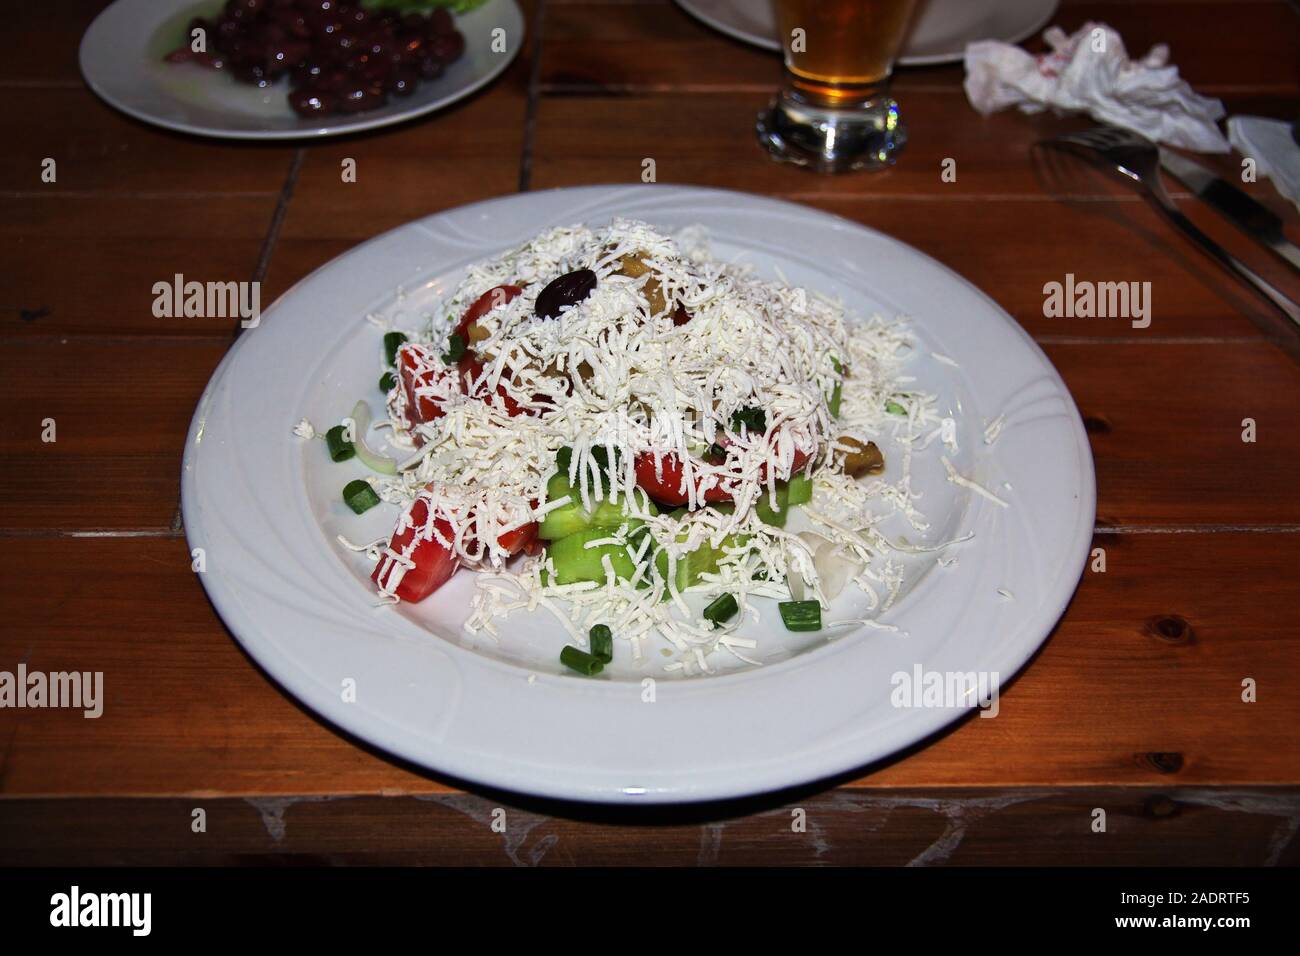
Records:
x=831, y=140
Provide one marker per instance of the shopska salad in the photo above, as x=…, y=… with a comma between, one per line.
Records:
x=616, y=428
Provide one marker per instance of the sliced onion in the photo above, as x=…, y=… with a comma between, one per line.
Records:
x=361, y=420
x=835, y=567
x=795, y=580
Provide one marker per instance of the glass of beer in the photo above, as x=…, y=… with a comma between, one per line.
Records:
x=834, y=112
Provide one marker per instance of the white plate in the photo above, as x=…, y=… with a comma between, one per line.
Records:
x=122, y=61
x=265, y=508
x=940, y=31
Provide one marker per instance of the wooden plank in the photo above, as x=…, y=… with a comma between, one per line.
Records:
x=121, y=409
x=115, y=249
x=655, y=45
x=1144, y=827
x=469, y=154
x=1166, y=424
x=1012, y=249
x=198, y=717
x=592, y=47
x=993, y=155
x=1219, y=46
x=43, y=50
x=186, y=713
x=105, y=151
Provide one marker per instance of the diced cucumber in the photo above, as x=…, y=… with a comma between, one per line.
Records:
x=572, y=518
x=774, y=516
x=574, y=561
x=692, y=566
x=564, y=521
x=800, y=491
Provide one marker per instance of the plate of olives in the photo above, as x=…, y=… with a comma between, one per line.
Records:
x=288, y=69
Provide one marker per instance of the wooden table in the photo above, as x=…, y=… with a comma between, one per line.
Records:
x=1134, y=705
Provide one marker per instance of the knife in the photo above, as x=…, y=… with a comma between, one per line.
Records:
x=1251, y=217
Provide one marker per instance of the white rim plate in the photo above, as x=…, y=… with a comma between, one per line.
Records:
x=939, y=35
x=264, y=507
x=121, y=60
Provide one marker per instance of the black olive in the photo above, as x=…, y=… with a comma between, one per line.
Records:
x=569, y=289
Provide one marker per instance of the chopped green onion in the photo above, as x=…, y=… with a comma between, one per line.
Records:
x=602, y=643
x=564, y=458
x=723, y=608
x=455, y=349
x=387, y=382
x=754, y=419
x=580, y=661
x=392, y=342
x=894, y=408
x=801, y=615
x=359, y=496
x=339, y=447
x=833, y=403
x=800, y=490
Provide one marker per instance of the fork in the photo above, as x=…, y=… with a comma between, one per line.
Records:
x=1138, y=160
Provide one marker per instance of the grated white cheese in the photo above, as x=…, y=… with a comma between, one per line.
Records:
x=615, y=372
x=965, y=482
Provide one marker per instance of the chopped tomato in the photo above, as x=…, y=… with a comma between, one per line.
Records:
x=489, y=300
x=668, y=488
x=471, y=368
x=434, y=563
x=520, y=539
x=411, y=359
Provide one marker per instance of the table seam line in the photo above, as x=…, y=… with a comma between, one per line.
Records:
x=532, y=98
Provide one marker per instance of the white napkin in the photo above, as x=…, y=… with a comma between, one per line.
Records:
x=1090, y=72
x=1268, y=142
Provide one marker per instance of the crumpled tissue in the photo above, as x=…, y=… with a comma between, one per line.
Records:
x=1089, y=71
